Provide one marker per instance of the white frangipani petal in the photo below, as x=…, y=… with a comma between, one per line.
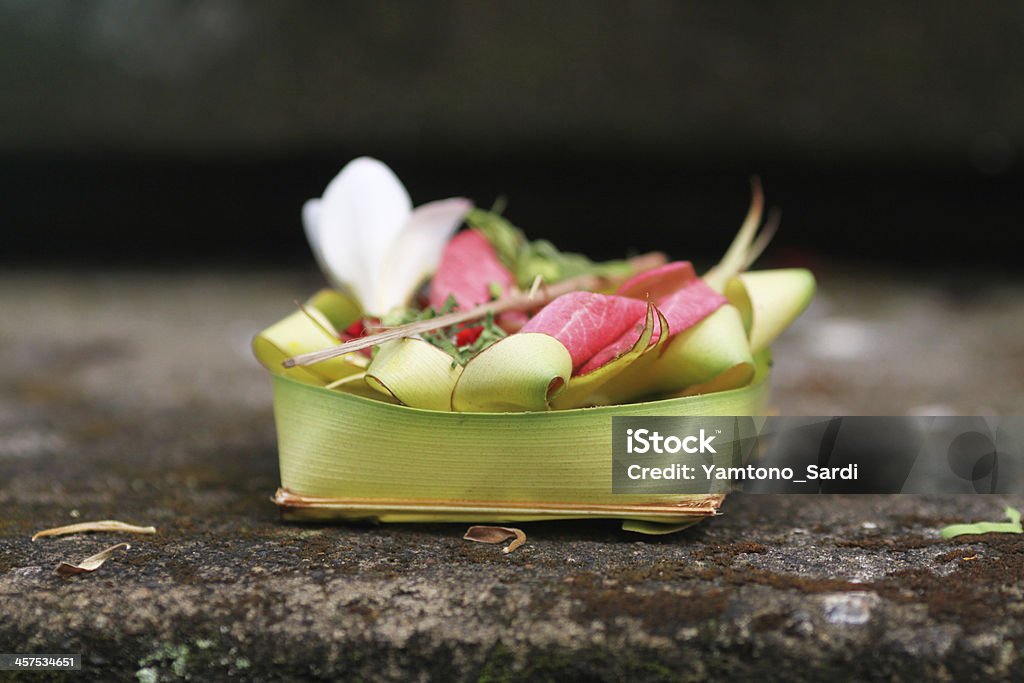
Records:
x=417, y=250
x=367, y=238
x=362, y=211
x=311, y=224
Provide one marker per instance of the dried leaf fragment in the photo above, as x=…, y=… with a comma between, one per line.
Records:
x=496, y=534
x=103, y=525
x=91, y=563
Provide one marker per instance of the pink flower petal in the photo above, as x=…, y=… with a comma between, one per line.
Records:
x=688, y=305
x=657, y=283
x=586, y=322
x=683, y=308
x=468, y=266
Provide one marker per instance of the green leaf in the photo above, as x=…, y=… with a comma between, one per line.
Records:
x=416, y=373
x=404, y=316
x=737, y=256
x=444, y=338
x=769, y=301
x=506, y=238
x=311, y=330
x=1011, y=527
x=343, y=456
x=715, y=347
x=340, y=309
x=654, y=528
x=530, y=259
x=522, y=372
x=542, y=258
x=491, y=334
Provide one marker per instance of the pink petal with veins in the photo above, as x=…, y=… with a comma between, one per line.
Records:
x=586, y=322
x=468, y=266
x=657, y=283
x=682, y=309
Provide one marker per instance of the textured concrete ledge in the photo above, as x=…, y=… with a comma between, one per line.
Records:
x=132, y=397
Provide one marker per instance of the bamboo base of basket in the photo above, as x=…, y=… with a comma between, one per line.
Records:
x=688, y=510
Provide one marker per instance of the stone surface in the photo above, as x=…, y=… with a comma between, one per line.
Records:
x=132, y=396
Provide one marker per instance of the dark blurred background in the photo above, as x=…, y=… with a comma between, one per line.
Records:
x=189, y=133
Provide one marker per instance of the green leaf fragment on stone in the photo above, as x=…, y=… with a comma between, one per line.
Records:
x=1011, y=527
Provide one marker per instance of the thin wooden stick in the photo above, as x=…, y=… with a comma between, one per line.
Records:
x=517, y=300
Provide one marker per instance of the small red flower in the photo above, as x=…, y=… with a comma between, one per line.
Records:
x=360, y=328
x=468, y=335
x=356, y=329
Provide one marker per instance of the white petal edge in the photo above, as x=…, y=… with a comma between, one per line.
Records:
x=362, y=212
x=417, y=250
x=311, y=224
